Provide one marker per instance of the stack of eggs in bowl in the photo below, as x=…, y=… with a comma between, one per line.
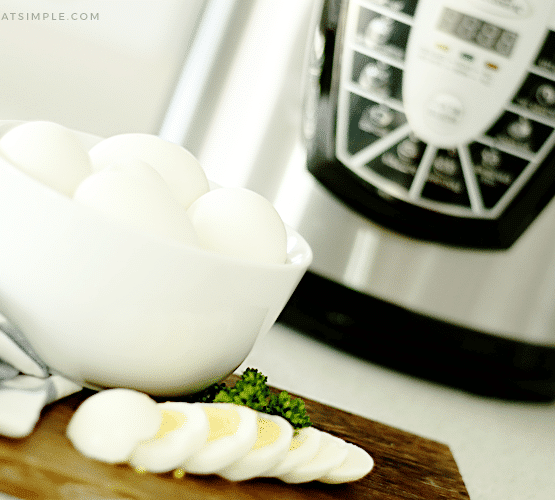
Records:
x=123, y=267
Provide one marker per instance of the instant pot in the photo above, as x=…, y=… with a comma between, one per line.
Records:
x=430, y=135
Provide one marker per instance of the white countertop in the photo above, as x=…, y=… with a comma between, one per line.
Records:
x=504, y=450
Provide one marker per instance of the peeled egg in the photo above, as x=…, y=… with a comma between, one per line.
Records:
x=177, y=166
x=183, y=432
x=109, y=424
x=274, y=435
x=132, y=192
x=241, y=223
x=303, y=448
x=48, y=152
x=233, y=432
x=356, y=465
x=331, y=454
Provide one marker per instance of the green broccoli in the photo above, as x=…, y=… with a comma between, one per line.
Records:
x=292, y=409
x=252, y=390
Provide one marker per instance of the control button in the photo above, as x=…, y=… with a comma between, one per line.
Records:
x=369, y=121
x=520, y=133
x=379, y=30
x=375, y=76
x=491, y=157
x=400, y=162
x=376, y=117
x=410, y=150
x=444, y=110
x=445, y=181
x=545, y=94
x=520, y=129
x=446, y=165
x=538, y=95
x=495, y=171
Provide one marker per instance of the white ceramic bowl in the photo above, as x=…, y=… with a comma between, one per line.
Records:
x=108, y=306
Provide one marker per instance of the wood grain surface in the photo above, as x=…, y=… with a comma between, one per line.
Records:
x=46, y=466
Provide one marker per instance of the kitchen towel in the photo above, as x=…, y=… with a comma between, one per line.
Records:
x=26, y=383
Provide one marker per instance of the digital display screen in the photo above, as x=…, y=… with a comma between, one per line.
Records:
x=474, y=30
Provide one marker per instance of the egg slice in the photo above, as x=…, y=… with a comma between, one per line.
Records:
x=48, y=152
x=183, y=432
x=108, y=425
x=133, y=192
x=177, y=166
x=331, y=454
x=232, y=433
x=274, y=435
x=356, y=465
x=303, y=447
x=240, y=223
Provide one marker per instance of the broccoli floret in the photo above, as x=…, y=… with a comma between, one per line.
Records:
x=292, y=409
x=251, y=376
x=252, y=390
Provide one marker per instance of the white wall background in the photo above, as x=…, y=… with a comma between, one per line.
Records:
x=110, y=73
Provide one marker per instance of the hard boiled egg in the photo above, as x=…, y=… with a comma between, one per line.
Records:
x=240, y=223
x=274, y=435
x=331, y=454
x=356, y=465
x=109, y=424
x=183, y=432
x=48, y=152
x=233, y=441
x=131, y=191
x=233, y=432
x=177, y=166
x=303, y=448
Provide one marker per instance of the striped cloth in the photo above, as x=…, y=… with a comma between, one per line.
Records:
x=26, y=383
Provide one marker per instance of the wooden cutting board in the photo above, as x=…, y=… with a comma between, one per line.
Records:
x=46, y=466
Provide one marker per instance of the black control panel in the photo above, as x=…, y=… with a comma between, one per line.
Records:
x=483, y=194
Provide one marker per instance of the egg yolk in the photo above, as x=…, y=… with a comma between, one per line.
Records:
x=171, y=420
x=267, y=433
x=297, y=441
x=222, y=421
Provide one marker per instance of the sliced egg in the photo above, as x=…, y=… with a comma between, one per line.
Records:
x=183, y=432
x=177, y=166
x=240, y=223
x=303, y=447
x=331, y=454
x=134, y=193
x=109, y=424
x=356, y=465
x=232, y=433
x=274, y=435
x=48, y=152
